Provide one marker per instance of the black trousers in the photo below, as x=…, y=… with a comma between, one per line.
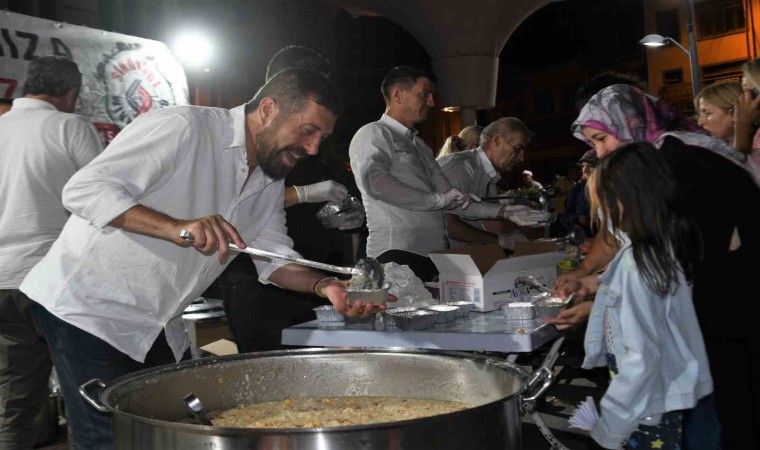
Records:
x=257, y=313
x=24, y=371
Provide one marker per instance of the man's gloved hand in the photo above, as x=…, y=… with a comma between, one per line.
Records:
x=507, y=239
x=324, y=191
x=453, y=198
x=519, y=214
x=353, y=218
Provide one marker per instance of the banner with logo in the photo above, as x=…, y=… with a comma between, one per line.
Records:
x=123, y=76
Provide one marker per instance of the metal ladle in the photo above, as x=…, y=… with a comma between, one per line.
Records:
x=196, y=407
x=576, y=236
x=184, y=234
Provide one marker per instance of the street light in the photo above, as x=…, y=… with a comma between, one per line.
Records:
x=194, y=50
x=655, y=40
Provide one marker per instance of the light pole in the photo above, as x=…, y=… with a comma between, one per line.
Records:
x=655, y=40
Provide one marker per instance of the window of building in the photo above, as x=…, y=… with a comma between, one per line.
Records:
x=674, y=76
x=568, y=97
x=719, y=17
x=543, y=102
x=667, y=23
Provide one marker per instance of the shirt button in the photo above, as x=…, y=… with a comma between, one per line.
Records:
x=242, y=170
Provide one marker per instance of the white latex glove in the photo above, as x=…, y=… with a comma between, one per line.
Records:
x=507, y=239
x=453, y=198
x=519, y=214
x=351, y=219
x=324, y=191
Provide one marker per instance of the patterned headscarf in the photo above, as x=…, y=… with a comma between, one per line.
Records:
x=631, y=115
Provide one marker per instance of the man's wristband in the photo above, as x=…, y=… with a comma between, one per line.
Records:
x=314, y=288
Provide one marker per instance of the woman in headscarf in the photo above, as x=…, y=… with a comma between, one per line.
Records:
x=622, y=114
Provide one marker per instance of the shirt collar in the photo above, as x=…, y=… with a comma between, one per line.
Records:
x=238, y=127
x=488, y=165
x=31, y=103
x=411, y=133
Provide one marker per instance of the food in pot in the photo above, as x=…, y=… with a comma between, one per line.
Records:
x=372, y=276
x=331, y=412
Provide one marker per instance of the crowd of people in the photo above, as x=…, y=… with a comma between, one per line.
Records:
x=94, y=248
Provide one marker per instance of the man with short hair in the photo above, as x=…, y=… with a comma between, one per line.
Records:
x=257, y=313
x=120, y=275
x=405, y=193
x=502, y=146
x=42, y=144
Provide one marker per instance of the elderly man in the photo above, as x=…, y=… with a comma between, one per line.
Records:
x=118, y=278
x=405, y=193
x=42, y=144
x=478, y=172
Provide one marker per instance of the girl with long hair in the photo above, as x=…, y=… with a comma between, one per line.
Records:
x=643, y=324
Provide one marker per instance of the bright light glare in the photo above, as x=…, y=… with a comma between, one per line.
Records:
x=193, y=49
x=653, y=40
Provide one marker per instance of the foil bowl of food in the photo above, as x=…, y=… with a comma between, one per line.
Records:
x=445, y=313
x=328, y=214
x=388, y=314
x=519, y=311
x=327, y=313
x=464, y=308
x=414, y=320
x=373, y=296
x=548, y=308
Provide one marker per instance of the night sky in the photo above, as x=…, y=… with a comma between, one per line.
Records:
x=592, y=34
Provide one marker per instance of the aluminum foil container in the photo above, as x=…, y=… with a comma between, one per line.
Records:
x=414, y=320
x=328, y=214
x=549, y=308
x=360, y=322
x=464, y=308
x=388, y=314
x=543, y=216
x=519, y=311
x=327, y=313
x=446, y=313
x=373, y=296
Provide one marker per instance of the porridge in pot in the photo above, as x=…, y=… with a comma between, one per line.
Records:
x=331, y=412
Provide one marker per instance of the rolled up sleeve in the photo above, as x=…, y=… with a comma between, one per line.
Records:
x=273, y=238
x=371, y=160
x=141, y=158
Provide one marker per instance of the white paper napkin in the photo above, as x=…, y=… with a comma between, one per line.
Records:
x=585, y=415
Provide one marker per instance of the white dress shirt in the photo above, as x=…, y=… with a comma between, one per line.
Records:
x=400, y=181
x=186, y=162
x=40, y=149
x=471, y=171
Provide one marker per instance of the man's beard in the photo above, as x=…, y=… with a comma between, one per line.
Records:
x=272, y=159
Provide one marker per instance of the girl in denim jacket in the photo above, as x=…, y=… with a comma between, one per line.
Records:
x=643, y=324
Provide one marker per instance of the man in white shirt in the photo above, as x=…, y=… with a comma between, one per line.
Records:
x=42, y=144
x=120, y=275
x=502, y=147
x=405, y=193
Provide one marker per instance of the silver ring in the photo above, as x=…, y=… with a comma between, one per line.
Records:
x=184, y=234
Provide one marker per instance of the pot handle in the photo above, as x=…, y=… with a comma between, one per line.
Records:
x=535, y=378
x=95, y=403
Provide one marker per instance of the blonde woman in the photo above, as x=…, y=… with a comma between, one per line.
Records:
x=747, y=112
x=467, y=139
x=715, y=106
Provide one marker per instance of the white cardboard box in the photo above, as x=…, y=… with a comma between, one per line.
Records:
x=485, y=276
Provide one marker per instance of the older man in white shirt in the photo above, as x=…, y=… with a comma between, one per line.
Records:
x=42, y=144
x=502, y=147
x=118, y=278
x=405, y=193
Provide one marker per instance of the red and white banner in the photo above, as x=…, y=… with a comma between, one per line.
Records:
x=123, y=76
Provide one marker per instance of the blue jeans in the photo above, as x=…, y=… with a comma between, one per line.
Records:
x=701, y=428
x=78, y=357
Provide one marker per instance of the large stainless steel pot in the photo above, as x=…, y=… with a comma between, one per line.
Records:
x=146, y=404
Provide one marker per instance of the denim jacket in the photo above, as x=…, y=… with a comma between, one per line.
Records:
x=659, y=350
